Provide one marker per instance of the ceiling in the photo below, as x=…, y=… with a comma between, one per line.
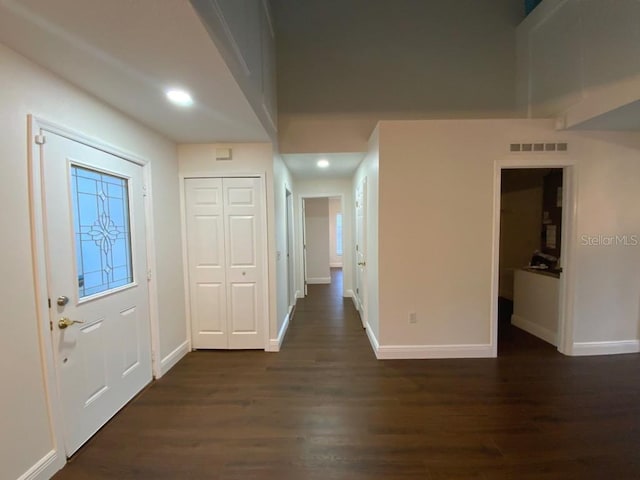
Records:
x=624, y=118
x=128, y=56
x=303, y=166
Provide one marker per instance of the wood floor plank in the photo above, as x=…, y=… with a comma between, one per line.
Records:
x=324, y=408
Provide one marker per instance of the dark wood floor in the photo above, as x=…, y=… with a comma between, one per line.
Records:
x=324, y=408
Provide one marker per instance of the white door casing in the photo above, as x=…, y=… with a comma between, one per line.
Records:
x=104, y=361
x=225, y=261
x=361, y=249
x=567, y=255
x=304, y=247
x=291, y=286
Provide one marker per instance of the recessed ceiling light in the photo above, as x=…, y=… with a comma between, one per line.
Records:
x=323, y=163
x=179, y=97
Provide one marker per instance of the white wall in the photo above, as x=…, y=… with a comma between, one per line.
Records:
x=370, y=169
x=335, y=207
x=341, y=187
x=578, y=58
x=248, y=159
x=436, y=257
x=25, y=431
x=317, y=240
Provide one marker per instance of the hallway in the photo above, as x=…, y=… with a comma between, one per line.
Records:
x=324, y=408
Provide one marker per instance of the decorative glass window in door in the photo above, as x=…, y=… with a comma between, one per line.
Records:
x=102, y=230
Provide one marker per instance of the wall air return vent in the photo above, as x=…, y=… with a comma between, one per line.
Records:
x=538, y=147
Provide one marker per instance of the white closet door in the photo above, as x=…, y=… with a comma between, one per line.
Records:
x=245, y=246
x=225, y=247
x=206, y=254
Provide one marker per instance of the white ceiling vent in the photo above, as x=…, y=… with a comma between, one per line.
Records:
x=539, y=147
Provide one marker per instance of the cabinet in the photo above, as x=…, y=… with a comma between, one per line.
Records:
x=535, y=304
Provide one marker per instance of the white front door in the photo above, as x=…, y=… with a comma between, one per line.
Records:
x=361, y=250
x=225, y=254
x=96, y=263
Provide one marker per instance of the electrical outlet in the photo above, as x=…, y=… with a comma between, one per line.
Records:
x=413, y=318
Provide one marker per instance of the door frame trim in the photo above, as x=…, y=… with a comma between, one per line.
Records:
x=569, y=229
x=289, y=208
x=301, y=248
x=265, y=260
x=40, y=272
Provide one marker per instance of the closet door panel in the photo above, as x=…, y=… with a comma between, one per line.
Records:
x=206, y=262
x=245, y=250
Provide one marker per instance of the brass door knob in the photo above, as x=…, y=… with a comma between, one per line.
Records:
x=62, y=300
x=65, y=322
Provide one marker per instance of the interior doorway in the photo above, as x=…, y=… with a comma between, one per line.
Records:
x=322, y=239
x=291, y=284
x=534, y=218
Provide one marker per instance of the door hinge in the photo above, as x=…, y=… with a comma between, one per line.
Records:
x=49, y=302
x=145, y=191
x=356, y=247
x=51, y=325
x=149, y=275
x=357, y=290
x=40, y=139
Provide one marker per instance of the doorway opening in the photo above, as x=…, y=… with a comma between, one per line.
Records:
x=322, y=240
x=291, y=284
x=534, y=244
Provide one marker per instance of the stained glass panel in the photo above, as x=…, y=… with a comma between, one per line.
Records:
x=102, y=230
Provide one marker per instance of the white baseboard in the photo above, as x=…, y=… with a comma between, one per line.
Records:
x=375, y=345
x=335, y=265
x=535, y=329
x=389, y=352
x=318, y=280
x=356, y=302
x=276, y=343
x=299, y=294
x=605, y=348
x=46, y=467
x=168, y=362
x=348, y=294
